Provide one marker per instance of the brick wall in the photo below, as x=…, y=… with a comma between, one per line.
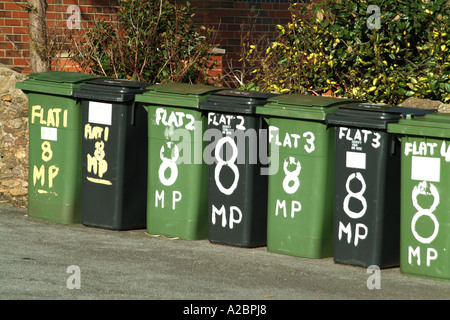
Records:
x=227, y=17
x=230, y=18
x=14, y=25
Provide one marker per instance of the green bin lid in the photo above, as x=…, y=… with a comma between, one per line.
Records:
x=111, y=90
x=54, y=82
x=236, y=101
x=176, y=94
x=435, y=125
x=302, y=106
x=371, y=115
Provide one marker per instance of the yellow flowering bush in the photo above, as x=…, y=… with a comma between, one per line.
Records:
x=381, y=51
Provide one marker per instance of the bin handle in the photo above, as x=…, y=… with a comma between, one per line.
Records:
x=133, y=113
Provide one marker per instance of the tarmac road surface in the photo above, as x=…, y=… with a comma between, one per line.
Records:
x=48, y=261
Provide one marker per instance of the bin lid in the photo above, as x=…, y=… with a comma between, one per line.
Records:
x=371, y=115
x=54, y=82
x=111, y=89
x=435, y=125
x=302, y=106
x=236, y=101
x=176, y=94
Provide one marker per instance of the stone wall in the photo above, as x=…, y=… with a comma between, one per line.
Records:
x=13, y=139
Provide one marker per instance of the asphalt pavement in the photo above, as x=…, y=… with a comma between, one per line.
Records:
x=48, y=261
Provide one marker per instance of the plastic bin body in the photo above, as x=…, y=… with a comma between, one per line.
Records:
x=177, y=176
x=237, y=205
x=54, y=185
x=367, y=186
x=425, y=205
x=300, y=192
x=114, y=154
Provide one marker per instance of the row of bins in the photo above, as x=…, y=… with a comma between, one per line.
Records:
x=307, y=176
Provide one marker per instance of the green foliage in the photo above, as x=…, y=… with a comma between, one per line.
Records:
x=154, y=41
x=335, y=47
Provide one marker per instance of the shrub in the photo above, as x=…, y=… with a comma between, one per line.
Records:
x=338, y=47
x=153, y=41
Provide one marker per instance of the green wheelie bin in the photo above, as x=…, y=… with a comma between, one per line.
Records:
x=300, y=192
x=54, y=185
x=424, y=206
x=177, y=197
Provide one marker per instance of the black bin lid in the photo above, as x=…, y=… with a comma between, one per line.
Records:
x=371, y=115
x=235, y=101
x=111, y=90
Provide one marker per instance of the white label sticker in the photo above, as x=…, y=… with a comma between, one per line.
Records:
x=49, y=133
x=100, y=113
x=356, y=160
x=426, y=169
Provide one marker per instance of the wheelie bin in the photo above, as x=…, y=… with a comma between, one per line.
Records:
x=237, y=190
x=300, y=192
x=177, y=175
x=54, y=185
x=425, y=207
x=114, y=154
x=367, y=184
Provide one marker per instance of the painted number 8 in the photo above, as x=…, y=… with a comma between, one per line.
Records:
x=291, y=176
x=420, y=189
x=231, y=164
x=357, y=195
x=47, y=152
x=168, y=164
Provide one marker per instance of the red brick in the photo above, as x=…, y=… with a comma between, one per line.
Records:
x=54, y=16
x=12, y=22
x=110, y=10
x=283, y=13
x=15, y=37
x=7, y=61
x=22, y=46
x=196, y=4
x=102, y=17
x=51, y=7
x=101, y=3
x=12, y=6
x=6, y=30
x=6, y=45
x=225, y=12
x=20, y=14
x=227, y=34
x=20, y=62
x=93, y=10
x=241, y=5
x=20, y=30
x=69, y=2
x=5, y=14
